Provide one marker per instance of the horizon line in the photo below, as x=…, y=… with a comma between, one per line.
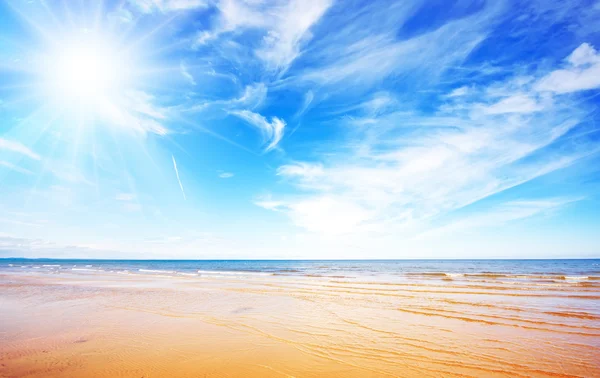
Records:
x=404, y=259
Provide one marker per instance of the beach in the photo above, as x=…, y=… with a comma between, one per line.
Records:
x=77, y=319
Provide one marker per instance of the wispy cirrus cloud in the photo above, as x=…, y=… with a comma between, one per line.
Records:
x=149, y=6
x=137, y=113
x=286, y=24
x=361, y=54
x=403, y=169
x=15, y=168
x=517, y=103
x=499, y=215
x=186, y=74
x=272, y=131
x=19, y=148
x=226, y=175
x=252, y=96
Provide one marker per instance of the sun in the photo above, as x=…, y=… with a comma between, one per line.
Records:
x=93, y=78
x=83, y=71
x=86, y=70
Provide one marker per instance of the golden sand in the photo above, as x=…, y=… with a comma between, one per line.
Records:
x=109, y=325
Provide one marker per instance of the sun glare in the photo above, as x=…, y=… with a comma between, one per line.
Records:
x=85, y=71
x=87, y=77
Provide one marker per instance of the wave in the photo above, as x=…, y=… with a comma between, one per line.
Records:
x=576, y=278
x=86, y=270
x=156, y=271
x=232, y=273
x=553, y=277
x=427, y=274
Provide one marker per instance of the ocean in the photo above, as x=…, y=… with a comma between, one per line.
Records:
x=564, y=270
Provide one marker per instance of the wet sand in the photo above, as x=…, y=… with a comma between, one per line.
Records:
x=116, y=325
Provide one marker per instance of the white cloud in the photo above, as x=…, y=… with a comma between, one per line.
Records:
x=186, y=74
x=272, y=131
x=458, y=92
x=582, y=72
x=13, y=146
x=203, y=37
x=142, y=103
x=362, y=53
x=329, y=214
x=518, y=103
x=125, y=197
x=286, y=23
x=149, y=6
x=15, y=168
x=270, y=204
x=500, y=215
x=281, y=46
x=406, y=169
x=120, y=16
x=252, y=97
x=304, y=170
x=135, y=112
x=226, y=175
x=379, y=103
x=583, y=55
x=308, y=99
x=68, y=172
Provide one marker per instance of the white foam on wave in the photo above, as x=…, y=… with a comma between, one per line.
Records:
x=86, y=270
x=232, y=273
x=576, y=278
x=156, y=271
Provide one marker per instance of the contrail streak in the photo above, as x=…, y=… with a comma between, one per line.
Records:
x=178, y=179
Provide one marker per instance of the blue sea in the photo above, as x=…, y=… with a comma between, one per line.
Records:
x=384, y=270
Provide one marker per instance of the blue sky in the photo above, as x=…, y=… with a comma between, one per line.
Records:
x=299, y=129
